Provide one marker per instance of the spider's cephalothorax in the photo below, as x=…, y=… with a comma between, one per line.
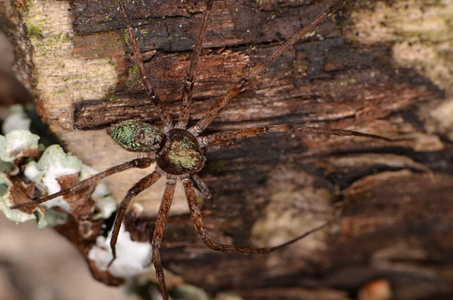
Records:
x=179, y=153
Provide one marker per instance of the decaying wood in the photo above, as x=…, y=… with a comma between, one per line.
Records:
x=396, y=197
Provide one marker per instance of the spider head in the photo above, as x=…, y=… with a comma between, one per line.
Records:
x=136, y=136
x=179, y=153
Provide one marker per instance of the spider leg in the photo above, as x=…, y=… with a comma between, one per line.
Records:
x=139, y=187
x=249, y=75
x=136, y=163
x=204, y=236
x=164, y=208
x=223, y=140
x=201, y=186
x=187, y=89
x=161, y=109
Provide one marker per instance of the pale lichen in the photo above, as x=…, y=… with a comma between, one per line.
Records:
x=294, y=206
x=62, y=77
x=420, y=34
x=44, y=168
x=133, y=258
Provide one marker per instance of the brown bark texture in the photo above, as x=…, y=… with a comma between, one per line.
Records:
x=361, y=70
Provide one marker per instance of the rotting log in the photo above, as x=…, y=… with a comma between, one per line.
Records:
x=395, y=196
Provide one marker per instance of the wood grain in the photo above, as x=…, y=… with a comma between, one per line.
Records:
x=396, y=196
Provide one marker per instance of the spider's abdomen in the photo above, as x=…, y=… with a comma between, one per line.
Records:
x=136, y=136
x=179, y=153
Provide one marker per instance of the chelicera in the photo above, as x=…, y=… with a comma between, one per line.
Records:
x=178, y=150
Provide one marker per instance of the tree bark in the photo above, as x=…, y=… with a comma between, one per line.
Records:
x=355, y=73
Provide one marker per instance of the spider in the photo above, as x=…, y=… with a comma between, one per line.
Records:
x=179, y=150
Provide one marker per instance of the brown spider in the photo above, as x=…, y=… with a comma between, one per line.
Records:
x=179, y=151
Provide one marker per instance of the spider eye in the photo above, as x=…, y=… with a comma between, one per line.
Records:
x=136, y=136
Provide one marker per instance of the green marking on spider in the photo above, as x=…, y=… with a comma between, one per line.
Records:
x=180, y=153
x=136, y=136
x=183, y=154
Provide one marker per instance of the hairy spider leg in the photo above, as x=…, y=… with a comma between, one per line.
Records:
x=136, y=163
x=161, y=108
x=222, y=140
x=202, y=187
x=244, y=80
x=204, y=236
x=161, y=221
x=184, y=111
x=136, y=189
